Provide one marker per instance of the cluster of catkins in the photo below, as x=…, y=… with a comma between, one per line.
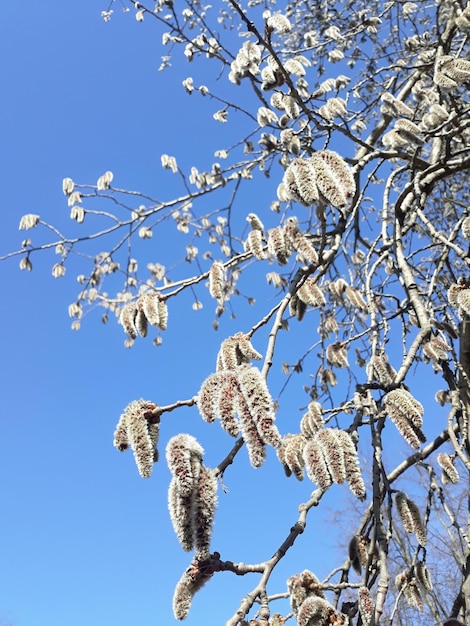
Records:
x=451, y=73
x=412, y=582
x=238, y=395
x=327, y=454
x=323, y=177
x=406, y=133
x=309, y=604
x=279, y=242
x=138, y=427
x=458, y=294
x=308, y=294
x=192, y=500
x=407, y=415
x=411, y=517
x=150, y=308
x=435, y=350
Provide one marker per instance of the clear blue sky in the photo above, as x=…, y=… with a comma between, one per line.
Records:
x=84, y=540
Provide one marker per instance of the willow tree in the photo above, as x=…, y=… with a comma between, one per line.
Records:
x=348, y=122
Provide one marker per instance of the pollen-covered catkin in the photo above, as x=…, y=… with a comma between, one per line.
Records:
x=260, y=404
x=162, y=308
x=358, y=552
x=149, y=303
x=351, y=464
x=449, y=472
x=300, y=181
x=121, y=441
x=181, y=509
x=127, y=319
x=298, y=241
x=277, y=245
x=312, y=421
x=407, y=415
x=184, y=457
x=204, y=511
x=216, y=280
x=315, y=464
x=311, y=293
x=208, y=397
x=334, y=178
x=235, y=351
x=141, y=323
x=422, y=576
x=380, y=369
x=315, y=610
x=336, y=355
x=255, y=244
x=405, y=582
x=229, y=398
x=290, y=454
x=254, y=444
x=333, y=453
x=302, y=586
x=365, y=605
x=193, y=579
x=134, y=429
x=411, y=517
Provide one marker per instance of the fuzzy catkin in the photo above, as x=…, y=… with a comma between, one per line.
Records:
x=149, y=303
x=204, y=511
x=216, y=280
x=315, y=610
x=333, y=454
x=290, y=454
x=235, y=351
x=334, y=178
x=448, y=468
x=141, y=323
x=255, y=244
x=301, y=586
x=407, y=415
x=183, y=455
x=181, y=509
x=365, y=605
x=380, y=369
x=315, y=464
x=138, y=428
x=358, y=552
x=260, y=404
x=192, y=580
x=422, y=576
x=208, y=397
x=351, y=464
x=127, y=319
x=300, y=181
x=411, y=517
x=229, y=398
x=336, y=355
x=311, y=293
x=312, y=421
x=121, y=440
x=277, y=245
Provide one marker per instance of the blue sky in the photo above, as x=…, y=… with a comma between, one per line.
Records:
x=85, y=540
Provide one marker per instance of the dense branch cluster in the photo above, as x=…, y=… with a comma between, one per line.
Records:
x=352, y=126
x=237, y=393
